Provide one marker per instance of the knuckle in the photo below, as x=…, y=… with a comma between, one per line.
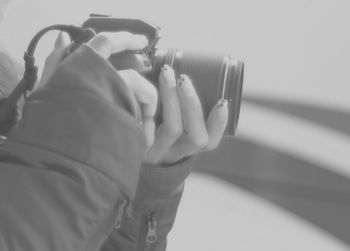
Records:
x=132, y=73
x=173, y=130
x=102, y=38
x=200, y=141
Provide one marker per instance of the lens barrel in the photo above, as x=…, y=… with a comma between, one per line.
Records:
x=215, y=76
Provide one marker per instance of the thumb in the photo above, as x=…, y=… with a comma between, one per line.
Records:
x=55, y=57
x=62, y=41
x=107, y=43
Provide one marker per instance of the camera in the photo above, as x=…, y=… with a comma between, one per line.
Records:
x=215, y=76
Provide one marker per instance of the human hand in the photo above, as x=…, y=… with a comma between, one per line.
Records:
x=54, y=58
x=106, y=44
x=184, y=130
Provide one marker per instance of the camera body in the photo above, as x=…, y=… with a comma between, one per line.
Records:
x=215, y=76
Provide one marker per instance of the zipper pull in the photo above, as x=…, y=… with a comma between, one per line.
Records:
x=152, y=229
x=119, y=218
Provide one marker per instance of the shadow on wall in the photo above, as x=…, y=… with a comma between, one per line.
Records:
x=337, y=120
x=308, y=190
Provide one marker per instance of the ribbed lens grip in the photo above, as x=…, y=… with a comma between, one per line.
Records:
x=213, y=75
x=206, y=73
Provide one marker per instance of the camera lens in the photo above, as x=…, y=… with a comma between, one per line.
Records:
x=214, y=76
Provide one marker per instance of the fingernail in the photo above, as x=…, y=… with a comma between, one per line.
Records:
x=185, y=85
x=182, y=80
x=222, y=103
x=169, y=75
x=164, y=67
x=222, y=106
x=59, y=41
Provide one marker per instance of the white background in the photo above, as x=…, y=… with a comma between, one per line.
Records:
x=293, y=49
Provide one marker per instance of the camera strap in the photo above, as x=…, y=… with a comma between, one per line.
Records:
x=78, y=36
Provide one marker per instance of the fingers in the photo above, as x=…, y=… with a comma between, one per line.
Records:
x=55, y=57
x=196, y=136
x=216, y=124
x=192, y=112
x=200, y=135
x=144, y=91
x=148, y=126
x=184, y=130
x=146, y=94
x=107, y=43
x=171, y=128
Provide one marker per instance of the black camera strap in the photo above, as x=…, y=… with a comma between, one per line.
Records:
x=77, y=35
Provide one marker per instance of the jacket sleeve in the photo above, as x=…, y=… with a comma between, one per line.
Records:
x=153, y=210
x=72, y=161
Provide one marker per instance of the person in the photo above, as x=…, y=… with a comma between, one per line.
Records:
x=86, y=167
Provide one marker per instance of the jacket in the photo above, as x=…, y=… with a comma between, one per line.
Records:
x=71, y=172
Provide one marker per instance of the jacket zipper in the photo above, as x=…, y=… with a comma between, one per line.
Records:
x=151, y=235
x=119, y=218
